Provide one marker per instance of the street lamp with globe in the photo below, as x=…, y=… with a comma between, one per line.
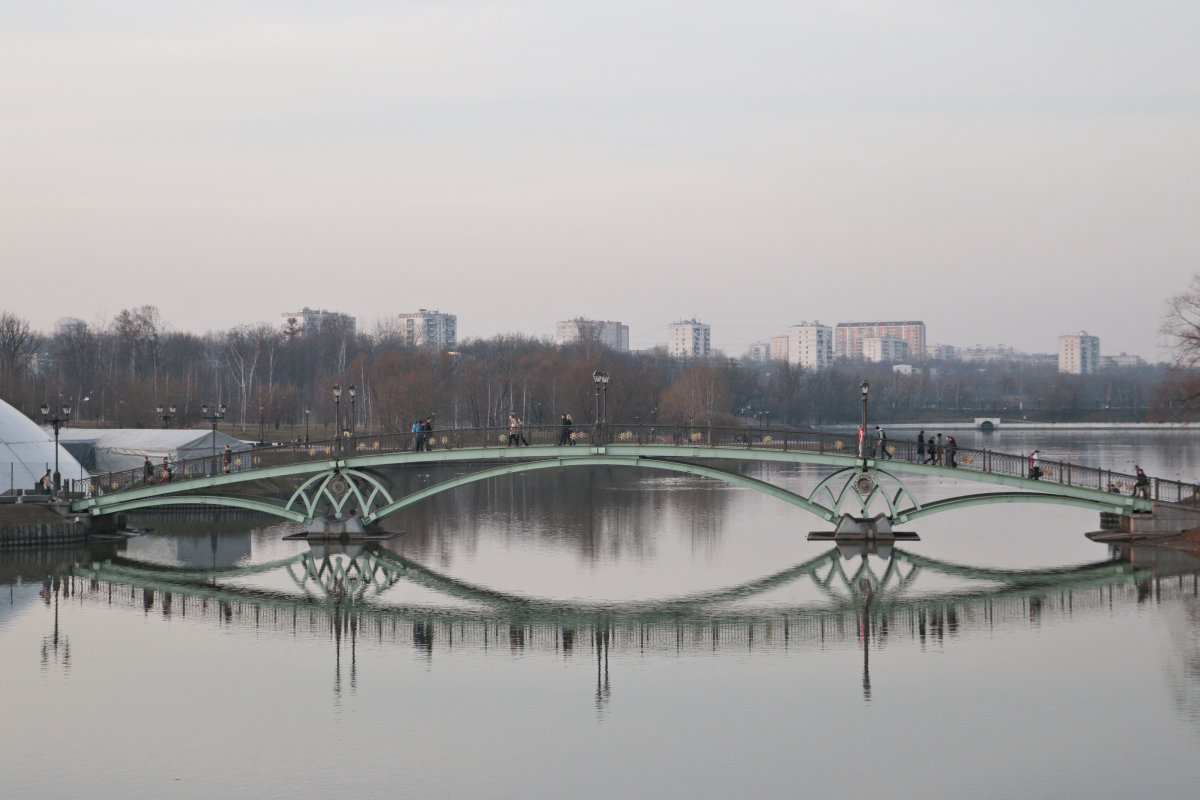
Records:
x=58, y=420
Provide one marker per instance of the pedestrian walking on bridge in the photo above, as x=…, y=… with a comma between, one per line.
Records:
x=1141, y=486
x=881, y=442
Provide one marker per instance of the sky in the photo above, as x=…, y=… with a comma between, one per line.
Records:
x=1004, y=171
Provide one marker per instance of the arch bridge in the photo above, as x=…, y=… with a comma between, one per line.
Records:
x=343, y=487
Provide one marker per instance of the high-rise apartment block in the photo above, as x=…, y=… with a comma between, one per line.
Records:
x=848, y=337
x=311, y=320
x=689, y=339
x=609, y=333
x=1078, y=353
x=884, y=349
x=426, y=328
x=810, y=344
x=779, y=348
x=758, y=352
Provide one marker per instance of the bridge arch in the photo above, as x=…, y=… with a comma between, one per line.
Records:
x=224, y=501
x=989, y=498
x=603, y=460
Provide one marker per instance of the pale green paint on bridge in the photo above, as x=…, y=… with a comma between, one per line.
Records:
x=677, y=458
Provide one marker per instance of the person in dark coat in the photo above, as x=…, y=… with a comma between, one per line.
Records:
x=1141, y=485
x=921, y=447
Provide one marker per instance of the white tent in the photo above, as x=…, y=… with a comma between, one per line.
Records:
x=27, y=451
x=115, y=449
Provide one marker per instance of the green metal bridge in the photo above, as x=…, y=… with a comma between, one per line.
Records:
x=344, y=486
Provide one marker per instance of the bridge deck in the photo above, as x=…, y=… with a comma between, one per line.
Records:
x=649, y=446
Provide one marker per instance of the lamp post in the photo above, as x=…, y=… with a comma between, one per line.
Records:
x=216, y=415
x=165, y=414
x=58, y=420
x=862, y=431
x=604, y=398
x=600, y=379
x=337, y=412
x=353, y=416
x=762, y=415
x=261, y=425
x=306, y=412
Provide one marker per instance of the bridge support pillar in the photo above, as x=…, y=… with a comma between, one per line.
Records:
x=327, y=528
x=863, y=529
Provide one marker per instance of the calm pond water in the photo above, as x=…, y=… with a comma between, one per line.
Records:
x=606, y=633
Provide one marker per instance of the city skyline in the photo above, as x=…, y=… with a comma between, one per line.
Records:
x=1006, y=172
x=615, y=335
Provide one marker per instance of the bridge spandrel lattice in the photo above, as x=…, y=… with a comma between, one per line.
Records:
x=1108, y=489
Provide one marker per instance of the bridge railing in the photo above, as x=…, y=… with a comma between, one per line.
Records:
x=586, y=434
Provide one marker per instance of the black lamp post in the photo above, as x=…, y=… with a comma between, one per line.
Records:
x=600, y=379
x=58, y=420
x=306, y=411
x=262, y=420
x=337, y=412
x=165, y=414
x=214, y=416
x=863, y=387
x=353, y=416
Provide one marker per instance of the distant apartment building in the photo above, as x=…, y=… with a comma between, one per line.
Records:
x=758, y=353
x=689, y=339
x=426, y=328
x=810, y=344
x=65, y=325
x=1122, y=361
x=981, y=354
x=1078, y=353
x=848, y=337
x=609, y=333
x=945, y=352
x=884, y=349
x=778, y=348
x=311, y=320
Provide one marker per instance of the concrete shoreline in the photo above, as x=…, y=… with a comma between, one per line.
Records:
x=36, y=525
x=1018, y=425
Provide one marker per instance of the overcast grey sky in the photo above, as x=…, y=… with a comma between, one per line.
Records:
x=1004, y=171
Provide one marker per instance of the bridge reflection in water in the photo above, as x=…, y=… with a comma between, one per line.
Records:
x=869, y=601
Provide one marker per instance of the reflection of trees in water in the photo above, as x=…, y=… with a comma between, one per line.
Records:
x=601, y=512
x=1183, y=659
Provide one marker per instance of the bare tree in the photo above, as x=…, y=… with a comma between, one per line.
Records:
x=18, y=343
x=1181, y=325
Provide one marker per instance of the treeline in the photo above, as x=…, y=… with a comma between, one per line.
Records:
x=117, y=373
